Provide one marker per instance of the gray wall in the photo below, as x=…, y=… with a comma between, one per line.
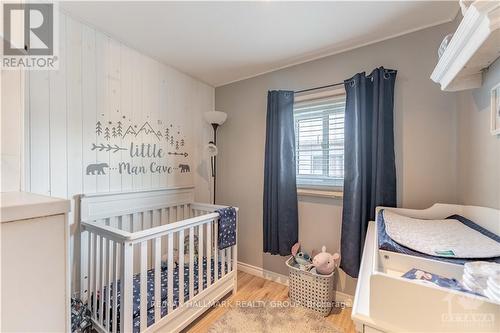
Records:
x=479, y=151
x=425, y=130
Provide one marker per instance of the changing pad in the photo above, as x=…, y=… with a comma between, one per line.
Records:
x=441, y=238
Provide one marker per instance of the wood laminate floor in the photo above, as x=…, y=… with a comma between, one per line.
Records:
x=253, y=288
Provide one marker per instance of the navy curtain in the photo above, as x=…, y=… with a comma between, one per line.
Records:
x=280, y=189
x=369, y=164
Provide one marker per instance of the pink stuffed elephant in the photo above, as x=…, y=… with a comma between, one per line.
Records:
x=325, y=262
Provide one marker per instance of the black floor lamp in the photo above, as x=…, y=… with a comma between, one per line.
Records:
x=214, y=118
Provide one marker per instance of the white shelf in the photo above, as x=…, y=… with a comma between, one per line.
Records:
x=474, y=46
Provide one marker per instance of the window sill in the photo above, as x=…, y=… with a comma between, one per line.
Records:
x=320, y=193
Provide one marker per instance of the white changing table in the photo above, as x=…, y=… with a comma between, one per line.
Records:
x=385, y=302
x=35, y=286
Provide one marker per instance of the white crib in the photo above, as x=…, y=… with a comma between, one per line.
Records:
x=129, y=235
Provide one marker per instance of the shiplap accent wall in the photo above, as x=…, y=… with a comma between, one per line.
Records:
x=100, y=78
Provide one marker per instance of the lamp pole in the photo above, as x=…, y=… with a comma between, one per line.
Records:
x=214, y=118
x=214, y=161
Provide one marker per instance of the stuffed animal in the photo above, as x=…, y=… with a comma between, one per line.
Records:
x=324, y=262
x=303, y=259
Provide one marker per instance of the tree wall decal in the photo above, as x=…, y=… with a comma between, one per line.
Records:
x=98, y=128
x=119, y=129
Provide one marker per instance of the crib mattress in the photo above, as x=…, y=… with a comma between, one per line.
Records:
x=164, y=291
x=385, y=242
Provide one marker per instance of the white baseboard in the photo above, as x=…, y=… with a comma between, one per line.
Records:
x=263, y=273
x=283, y=279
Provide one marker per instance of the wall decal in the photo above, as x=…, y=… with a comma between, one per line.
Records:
x=99, y=167
x=130, y=131
x=179, y=154
x=147, y=129
x=119, y=128
x=184, y=168
x=144, y=144
x=107, y=147
x=98, y=128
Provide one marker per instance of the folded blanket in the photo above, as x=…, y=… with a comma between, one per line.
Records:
x=226, y=227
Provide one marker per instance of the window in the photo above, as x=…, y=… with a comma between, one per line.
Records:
x=319, y=135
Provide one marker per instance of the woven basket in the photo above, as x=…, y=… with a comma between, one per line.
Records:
x=311, y=290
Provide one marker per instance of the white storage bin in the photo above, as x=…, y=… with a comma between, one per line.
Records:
x=311, y=290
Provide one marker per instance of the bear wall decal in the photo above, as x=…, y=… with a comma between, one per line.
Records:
x=99, y=167
x=184, y=168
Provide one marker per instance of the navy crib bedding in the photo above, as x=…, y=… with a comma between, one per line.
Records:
x=164, y=295
x=387, y=243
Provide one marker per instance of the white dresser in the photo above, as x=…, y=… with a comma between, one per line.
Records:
x=35, y=291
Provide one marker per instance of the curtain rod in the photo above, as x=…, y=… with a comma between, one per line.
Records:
x=387, y=71
x=316, y=88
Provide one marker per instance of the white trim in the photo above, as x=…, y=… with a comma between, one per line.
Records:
x=341, y=297
x=320, y=193
x=282, y=279
x=263, y=273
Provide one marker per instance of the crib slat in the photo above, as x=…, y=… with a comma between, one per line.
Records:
x=223, y=262
x=168, y=214
x=133, y=221
x=181, y=267
x=170, y=272
x=216, y=252
x=126, y=300
x=103, y=278
x=172, y=214
x=179, y=212
x=209, y=254
x=157, y=255
x=156, y=217
x=144, y=285
x=200, y=258
x=186, y=212
x=228, y=253
x=113, y=221
x=97, y=270
x=130, y=222
x=108, y=284
x=91, y=294
x=163, y=211
x=191, y=263
x=115, y=286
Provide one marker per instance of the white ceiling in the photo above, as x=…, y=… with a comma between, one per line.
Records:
x=222, y=42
